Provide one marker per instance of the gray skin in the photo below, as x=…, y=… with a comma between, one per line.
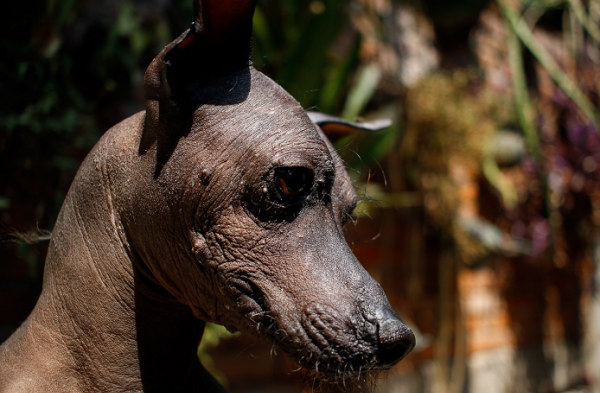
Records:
x=175, y=219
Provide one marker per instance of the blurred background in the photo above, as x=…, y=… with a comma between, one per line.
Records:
x=480, y=206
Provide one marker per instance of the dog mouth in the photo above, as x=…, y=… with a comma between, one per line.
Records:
x=338, y=348
x=319, y=341
x=336, y=343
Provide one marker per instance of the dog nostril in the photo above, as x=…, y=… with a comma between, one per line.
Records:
x=396, y=340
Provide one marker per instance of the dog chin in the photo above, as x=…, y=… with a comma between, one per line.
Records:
x=318, y=382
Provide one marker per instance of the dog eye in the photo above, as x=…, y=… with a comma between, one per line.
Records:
x=293, y=183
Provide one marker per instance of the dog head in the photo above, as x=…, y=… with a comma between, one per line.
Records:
x=242, y=200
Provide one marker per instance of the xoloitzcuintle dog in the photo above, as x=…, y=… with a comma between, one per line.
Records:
x=221, y=202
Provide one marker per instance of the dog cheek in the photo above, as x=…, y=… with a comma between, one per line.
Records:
x=204, y=292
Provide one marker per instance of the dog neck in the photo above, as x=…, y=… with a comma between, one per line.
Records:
x=100, y=319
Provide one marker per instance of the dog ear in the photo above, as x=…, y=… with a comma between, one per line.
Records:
x=336, y=128
x=217, y=44
x=208, y=63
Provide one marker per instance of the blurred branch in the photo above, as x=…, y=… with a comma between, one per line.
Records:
x=582, y=17
x=498, y=180
x=443, y=340
x=536, y=9
x=520, y=28
x=493, y=238
x=458, y=373
x=523, y=104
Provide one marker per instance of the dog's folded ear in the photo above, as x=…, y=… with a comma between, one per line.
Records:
x=336, y=128
x=217, y=44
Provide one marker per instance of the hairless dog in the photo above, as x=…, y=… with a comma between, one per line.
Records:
x=222, y=201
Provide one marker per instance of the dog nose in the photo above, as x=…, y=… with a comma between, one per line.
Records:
x=396, y=339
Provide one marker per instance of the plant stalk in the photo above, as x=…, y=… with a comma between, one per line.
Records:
x=520, y=28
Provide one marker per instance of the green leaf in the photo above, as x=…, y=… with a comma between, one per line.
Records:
x=362, y=91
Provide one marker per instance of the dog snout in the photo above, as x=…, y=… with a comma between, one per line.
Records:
x=395, y=339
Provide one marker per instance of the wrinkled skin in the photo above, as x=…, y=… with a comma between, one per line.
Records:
x=175, y=218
